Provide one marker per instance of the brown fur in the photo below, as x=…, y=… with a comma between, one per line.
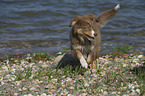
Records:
x=85, y=36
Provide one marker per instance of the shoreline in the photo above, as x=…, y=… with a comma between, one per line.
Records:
x=34, y=75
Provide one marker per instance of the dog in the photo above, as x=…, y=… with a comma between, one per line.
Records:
x=85, y=36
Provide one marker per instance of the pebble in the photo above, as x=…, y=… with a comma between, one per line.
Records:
x=118, y=92
x=105, y=93
x=83, y=94
x=51, y=85
x=29, y=95
x=94, y=70
x=16, y=94
x=140, y=56
x=71, y=88
x=87, y=73
x=44, y=94
x=86, y=84
x=5, y=68
x=54, y=80
x=44, y=66
x=113, y=92
x=32, y=89
x=24, y=88
x=132, y=94
x=68, y=79
x=138, y=90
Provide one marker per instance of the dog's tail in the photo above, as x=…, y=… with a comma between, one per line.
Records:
x=117, y=7
x=105, y=16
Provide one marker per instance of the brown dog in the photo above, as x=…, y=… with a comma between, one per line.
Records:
x=85, y=36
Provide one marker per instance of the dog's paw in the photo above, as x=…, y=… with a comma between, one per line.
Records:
x=83, y=62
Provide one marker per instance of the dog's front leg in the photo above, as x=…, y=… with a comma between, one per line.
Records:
x=81, y=58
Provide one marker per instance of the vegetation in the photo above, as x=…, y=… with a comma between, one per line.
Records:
x=32, y=75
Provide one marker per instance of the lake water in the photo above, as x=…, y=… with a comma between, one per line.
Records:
x=28, y=26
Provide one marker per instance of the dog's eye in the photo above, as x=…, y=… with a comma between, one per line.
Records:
x=97, y=20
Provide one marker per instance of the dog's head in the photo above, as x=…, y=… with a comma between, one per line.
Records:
x=84, y=26
x=88, y=25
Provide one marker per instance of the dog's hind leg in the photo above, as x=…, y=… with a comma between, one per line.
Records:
x=94, y=64
x=92, y=60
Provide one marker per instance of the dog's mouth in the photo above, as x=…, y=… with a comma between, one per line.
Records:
x=89, y=37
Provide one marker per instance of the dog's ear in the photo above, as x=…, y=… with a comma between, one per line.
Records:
x=105, y=16
x=74, y=21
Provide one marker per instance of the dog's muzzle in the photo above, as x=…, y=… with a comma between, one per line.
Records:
x=89, y=37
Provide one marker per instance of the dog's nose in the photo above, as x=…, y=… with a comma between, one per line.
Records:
x=95, y=34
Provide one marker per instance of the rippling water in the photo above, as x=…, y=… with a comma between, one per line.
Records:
x=28, y=26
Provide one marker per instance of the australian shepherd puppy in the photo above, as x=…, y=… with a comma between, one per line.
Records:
x=85, y=36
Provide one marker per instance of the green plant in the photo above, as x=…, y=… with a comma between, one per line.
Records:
x=41, y=56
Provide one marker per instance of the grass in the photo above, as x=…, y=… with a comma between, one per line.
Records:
x=41, y=56
x=32, y=75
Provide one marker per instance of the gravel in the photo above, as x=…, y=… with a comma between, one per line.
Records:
x=30, y=77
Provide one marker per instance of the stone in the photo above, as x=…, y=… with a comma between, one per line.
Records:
x=33, y=88
x=105, y=93
x=113, y=92
x=63, y=60
x=71, y=88
x=133, y=94
x=50, y=86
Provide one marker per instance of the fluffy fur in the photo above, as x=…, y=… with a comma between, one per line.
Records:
x=85, y=36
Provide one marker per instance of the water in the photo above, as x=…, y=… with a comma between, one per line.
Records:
x=28, y=26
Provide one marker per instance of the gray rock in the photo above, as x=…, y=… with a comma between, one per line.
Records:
x=64, y=60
